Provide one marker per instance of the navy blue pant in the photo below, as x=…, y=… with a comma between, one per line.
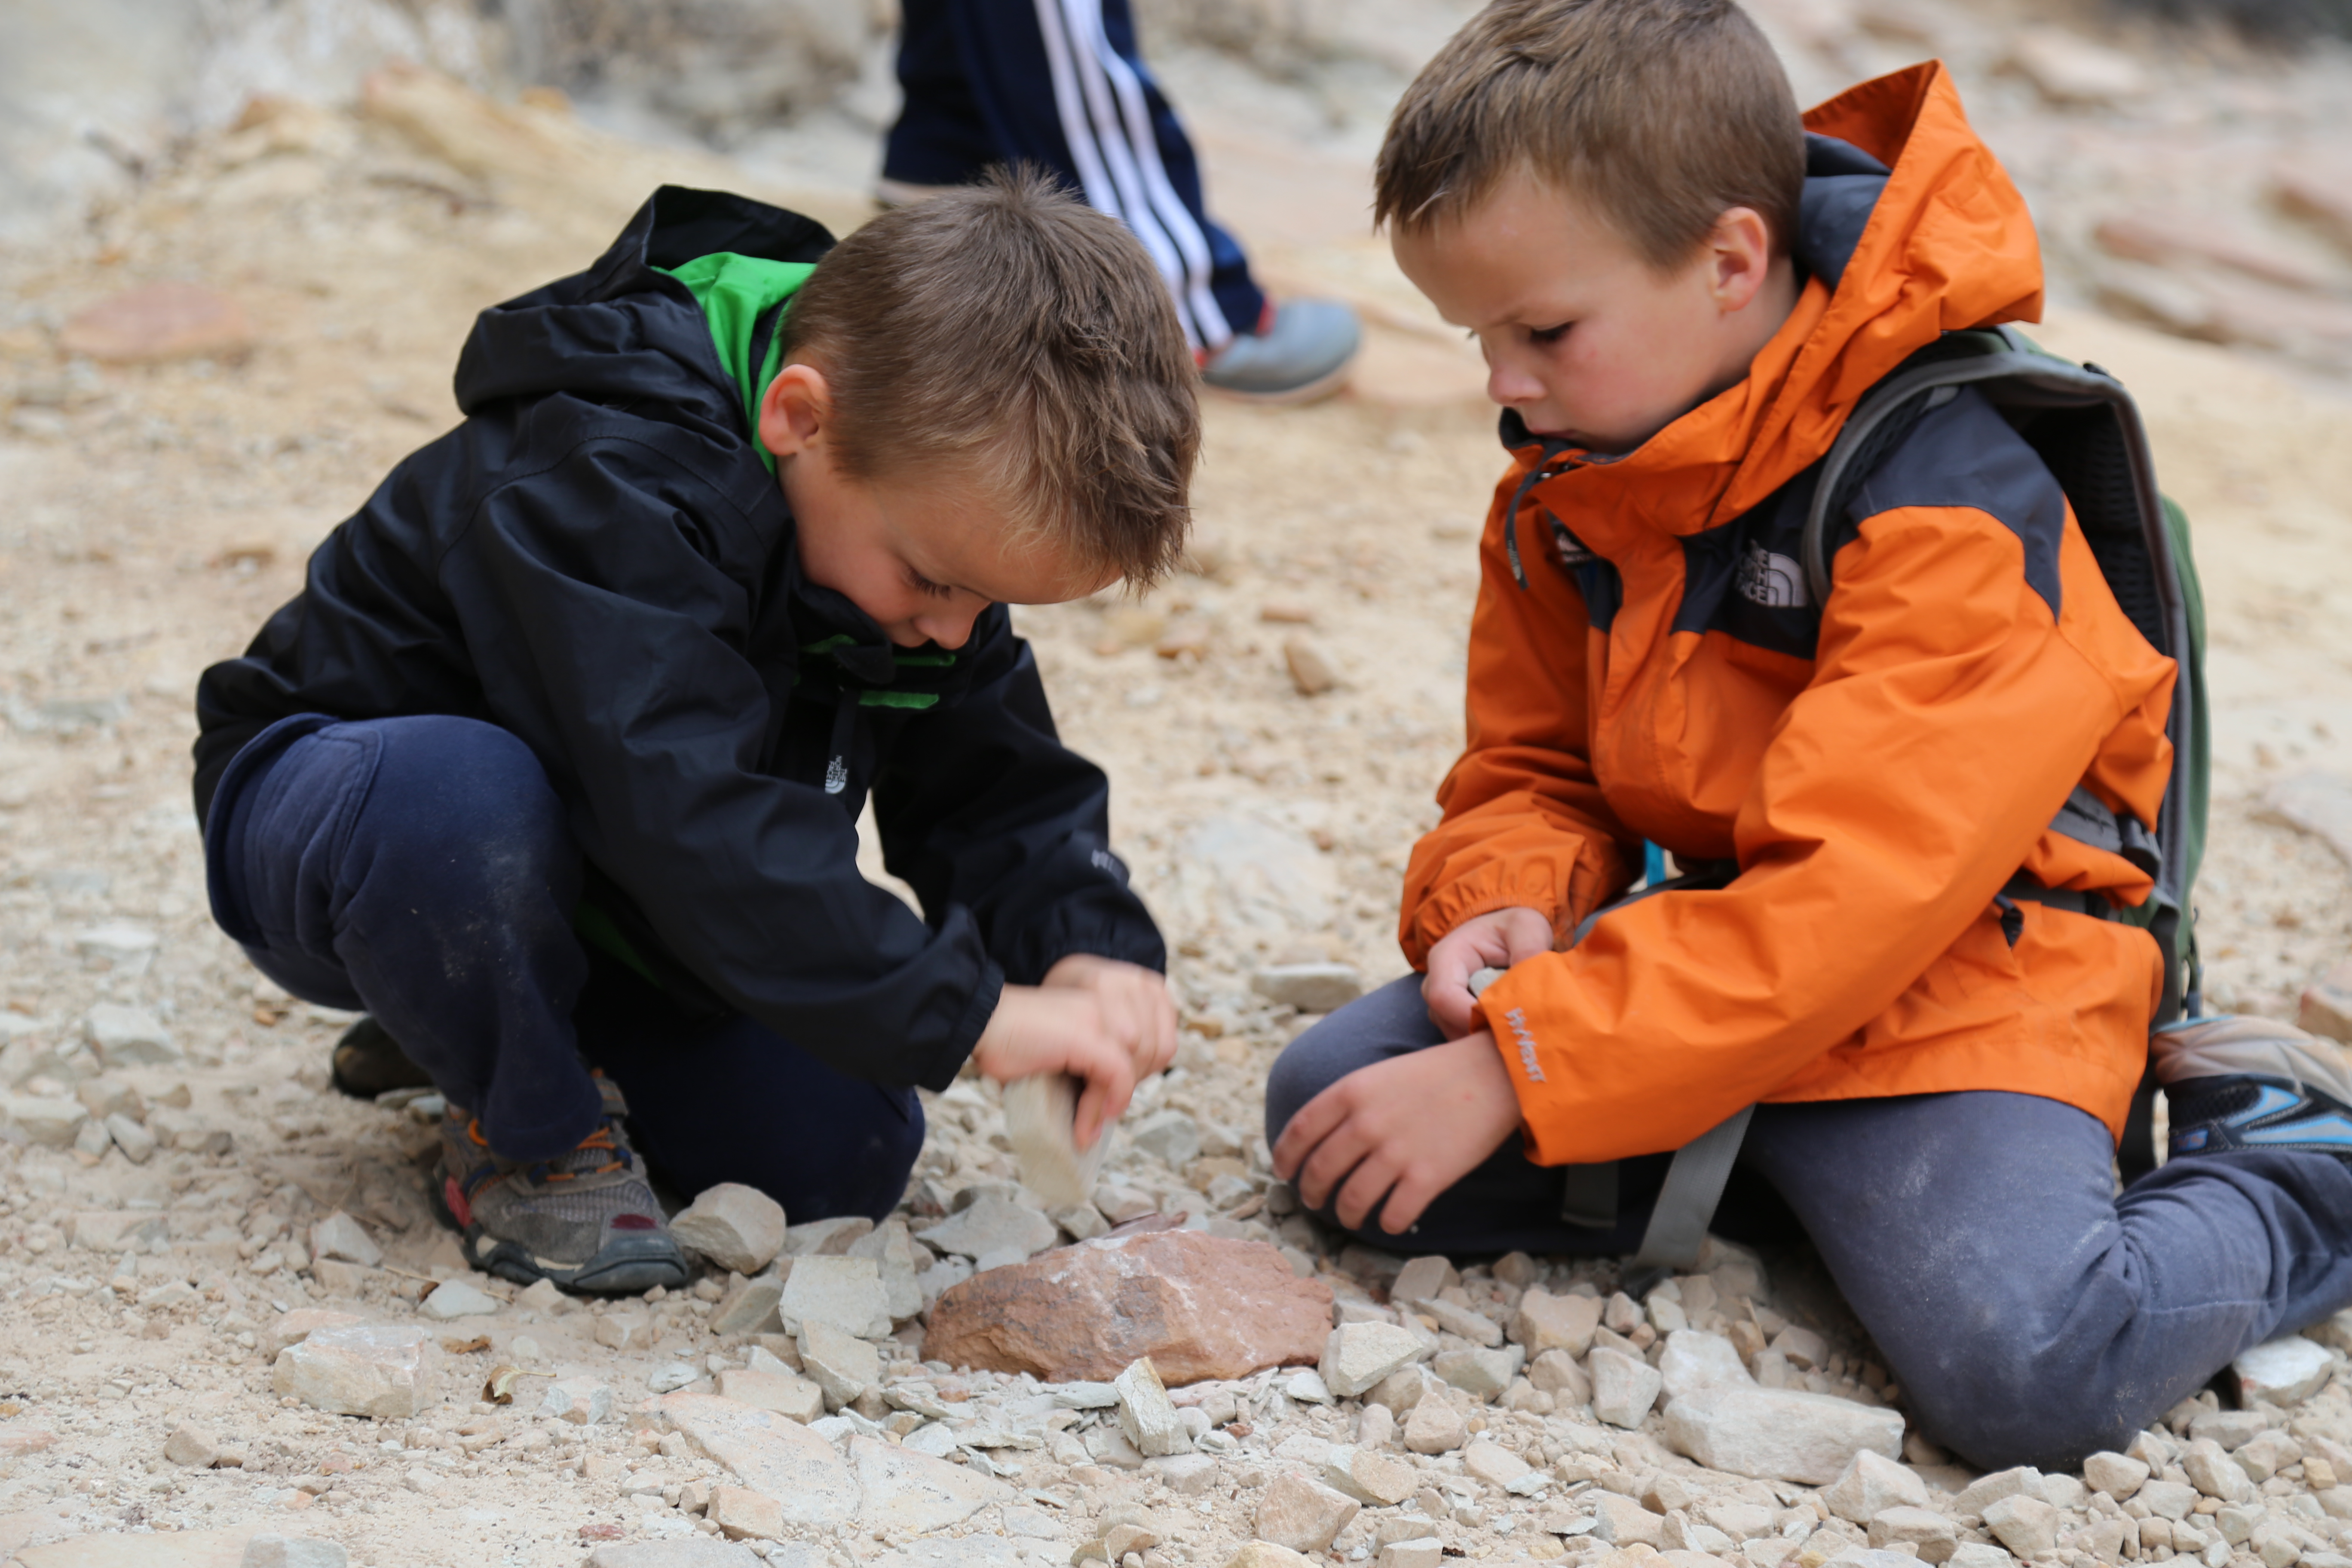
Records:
x=420, y=870
x=2029, y=1314
x=1061, y=84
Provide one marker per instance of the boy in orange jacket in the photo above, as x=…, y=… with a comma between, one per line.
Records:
x=1682, y=287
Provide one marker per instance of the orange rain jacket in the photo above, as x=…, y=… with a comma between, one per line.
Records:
x=1880, y=765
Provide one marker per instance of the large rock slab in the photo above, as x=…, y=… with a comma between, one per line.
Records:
x=385, y=1370
x=1199, y=1306
x=769, y=1453
x=1777, y=1433
x=913, y=1492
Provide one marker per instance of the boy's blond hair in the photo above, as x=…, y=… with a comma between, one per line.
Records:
x=1662, y=114
x=1006, y=336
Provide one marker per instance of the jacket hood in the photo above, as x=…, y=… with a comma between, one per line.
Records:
x=1909, y=229
x=626, y=329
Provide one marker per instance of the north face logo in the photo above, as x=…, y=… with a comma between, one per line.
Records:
x=1773, y=580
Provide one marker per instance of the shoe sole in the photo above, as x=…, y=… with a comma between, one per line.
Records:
x=1330, y=384
x=621, y=1267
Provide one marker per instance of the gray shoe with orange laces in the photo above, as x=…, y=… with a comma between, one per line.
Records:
x=586, y=1219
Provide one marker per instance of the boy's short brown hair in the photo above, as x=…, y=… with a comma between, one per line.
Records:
x=1663, y=114
x=1007, y=335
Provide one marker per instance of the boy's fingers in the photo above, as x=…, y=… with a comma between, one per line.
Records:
x=1315, y=1120
x=1346, y=1147
x=1366, y=1186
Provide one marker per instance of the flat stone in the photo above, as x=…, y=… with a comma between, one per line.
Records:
x=769, y=1453
x=747, y=1306
x=1480, y=1374
x=787, y=1394
x=292, y=1328
x=1145, y=1414
x=2212, y=1471
x=844, y=1365
x=1492, y=1464
x=1473, y=1326
x=2232, y=1429
x=844, y=1291
x=1107, y=1445
x=2118, y=1475
x=738, y=1228
x=582, y=1401
x=1543, y=1321
x=1187, y=1475
x=1776, y=1434
x=137, y=1144
x=162, y=320
x=1040, y=1116
x=2283, y=1373
x=1980, y=1554
x=1170, y=1136
x=1871, y=1482
x=2020, y=1480
x=1555, y=1372
x=270, y=1550
x=1303, y=1515
x=915, y=1492
x=1624, y=1387
x=1199, y=1306
x=1372, y=1479
x=456, y=1299
x=1435, y=1426
x=687, y=1551
x=742, y=1514
x=1694, y=1360
x=973, y=1551
x=117, y=1230
x=129, y=1037
x=341, y=1235
x=2173, y=1501
x=1620, y=1522
x=2026, y=1525
x=893, y=1252
x=385, y=1371
x=826, y=1237
x=1923, y=1529
x=2069, y=69
x=992, y=1224
x=1266, y=1554
x=50, y=1123
x=1422, y=1552
x=1309, y=987
x=191, y=1446
x=117, y=941
x=1311, y=674
x=1421, y=1279
x=1356, y=1357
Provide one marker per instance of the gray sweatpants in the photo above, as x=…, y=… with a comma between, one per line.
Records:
x=2029, y=1314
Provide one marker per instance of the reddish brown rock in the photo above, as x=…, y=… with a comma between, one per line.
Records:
x=169, y=319
x=1197, y=1305
x=2319, y=191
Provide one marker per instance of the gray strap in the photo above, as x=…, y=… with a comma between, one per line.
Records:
x=1694, y=1184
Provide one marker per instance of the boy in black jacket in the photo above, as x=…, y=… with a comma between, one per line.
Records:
x=554, y=767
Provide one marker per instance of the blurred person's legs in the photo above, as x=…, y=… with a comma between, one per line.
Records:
x=1061, y=84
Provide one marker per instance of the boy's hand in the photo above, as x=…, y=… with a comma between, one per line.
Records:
x=1495, y=940
x=1135, y=1003
x=1106, y=1022
x=1407, y=1127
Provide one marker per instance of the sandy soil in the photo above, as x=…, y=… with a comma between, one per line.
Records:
x=153, y=516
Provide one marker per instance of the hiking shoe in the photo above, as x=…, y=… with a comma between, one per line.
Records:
x=1302, y=351
x=2237, y=1084
x=586, y=1219
x=367, y=1062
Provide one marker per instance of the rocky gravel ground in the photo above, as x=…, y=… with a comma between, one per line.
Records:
x=227, y=1314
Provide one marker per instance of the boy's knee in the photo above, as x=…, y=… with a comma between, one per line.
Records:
x=1998, y=1390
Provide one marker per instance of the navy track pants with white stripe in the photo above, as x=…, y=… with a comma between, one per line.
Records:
x=1060, y=84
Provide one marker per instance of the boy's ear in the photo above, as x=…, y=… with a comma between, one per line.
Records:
x=1740, y=256
x=795, y=410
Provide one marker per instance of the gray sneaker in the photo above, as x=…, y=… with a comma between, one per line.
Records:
x=1305, y=352
x=586, y=1219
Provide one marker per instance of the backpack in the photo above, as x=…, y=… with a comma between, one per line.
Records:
x=2087, y=431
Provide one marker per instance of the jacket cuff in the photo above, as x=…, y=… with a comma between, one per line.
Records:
x=1481, y=893
x=967, y=1029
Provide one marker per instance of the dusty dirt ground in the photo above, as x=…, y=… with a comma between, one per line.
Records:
x=150, y=516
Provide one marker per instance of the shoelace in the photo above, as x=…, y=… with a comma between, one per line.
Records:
x=543, y=1171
